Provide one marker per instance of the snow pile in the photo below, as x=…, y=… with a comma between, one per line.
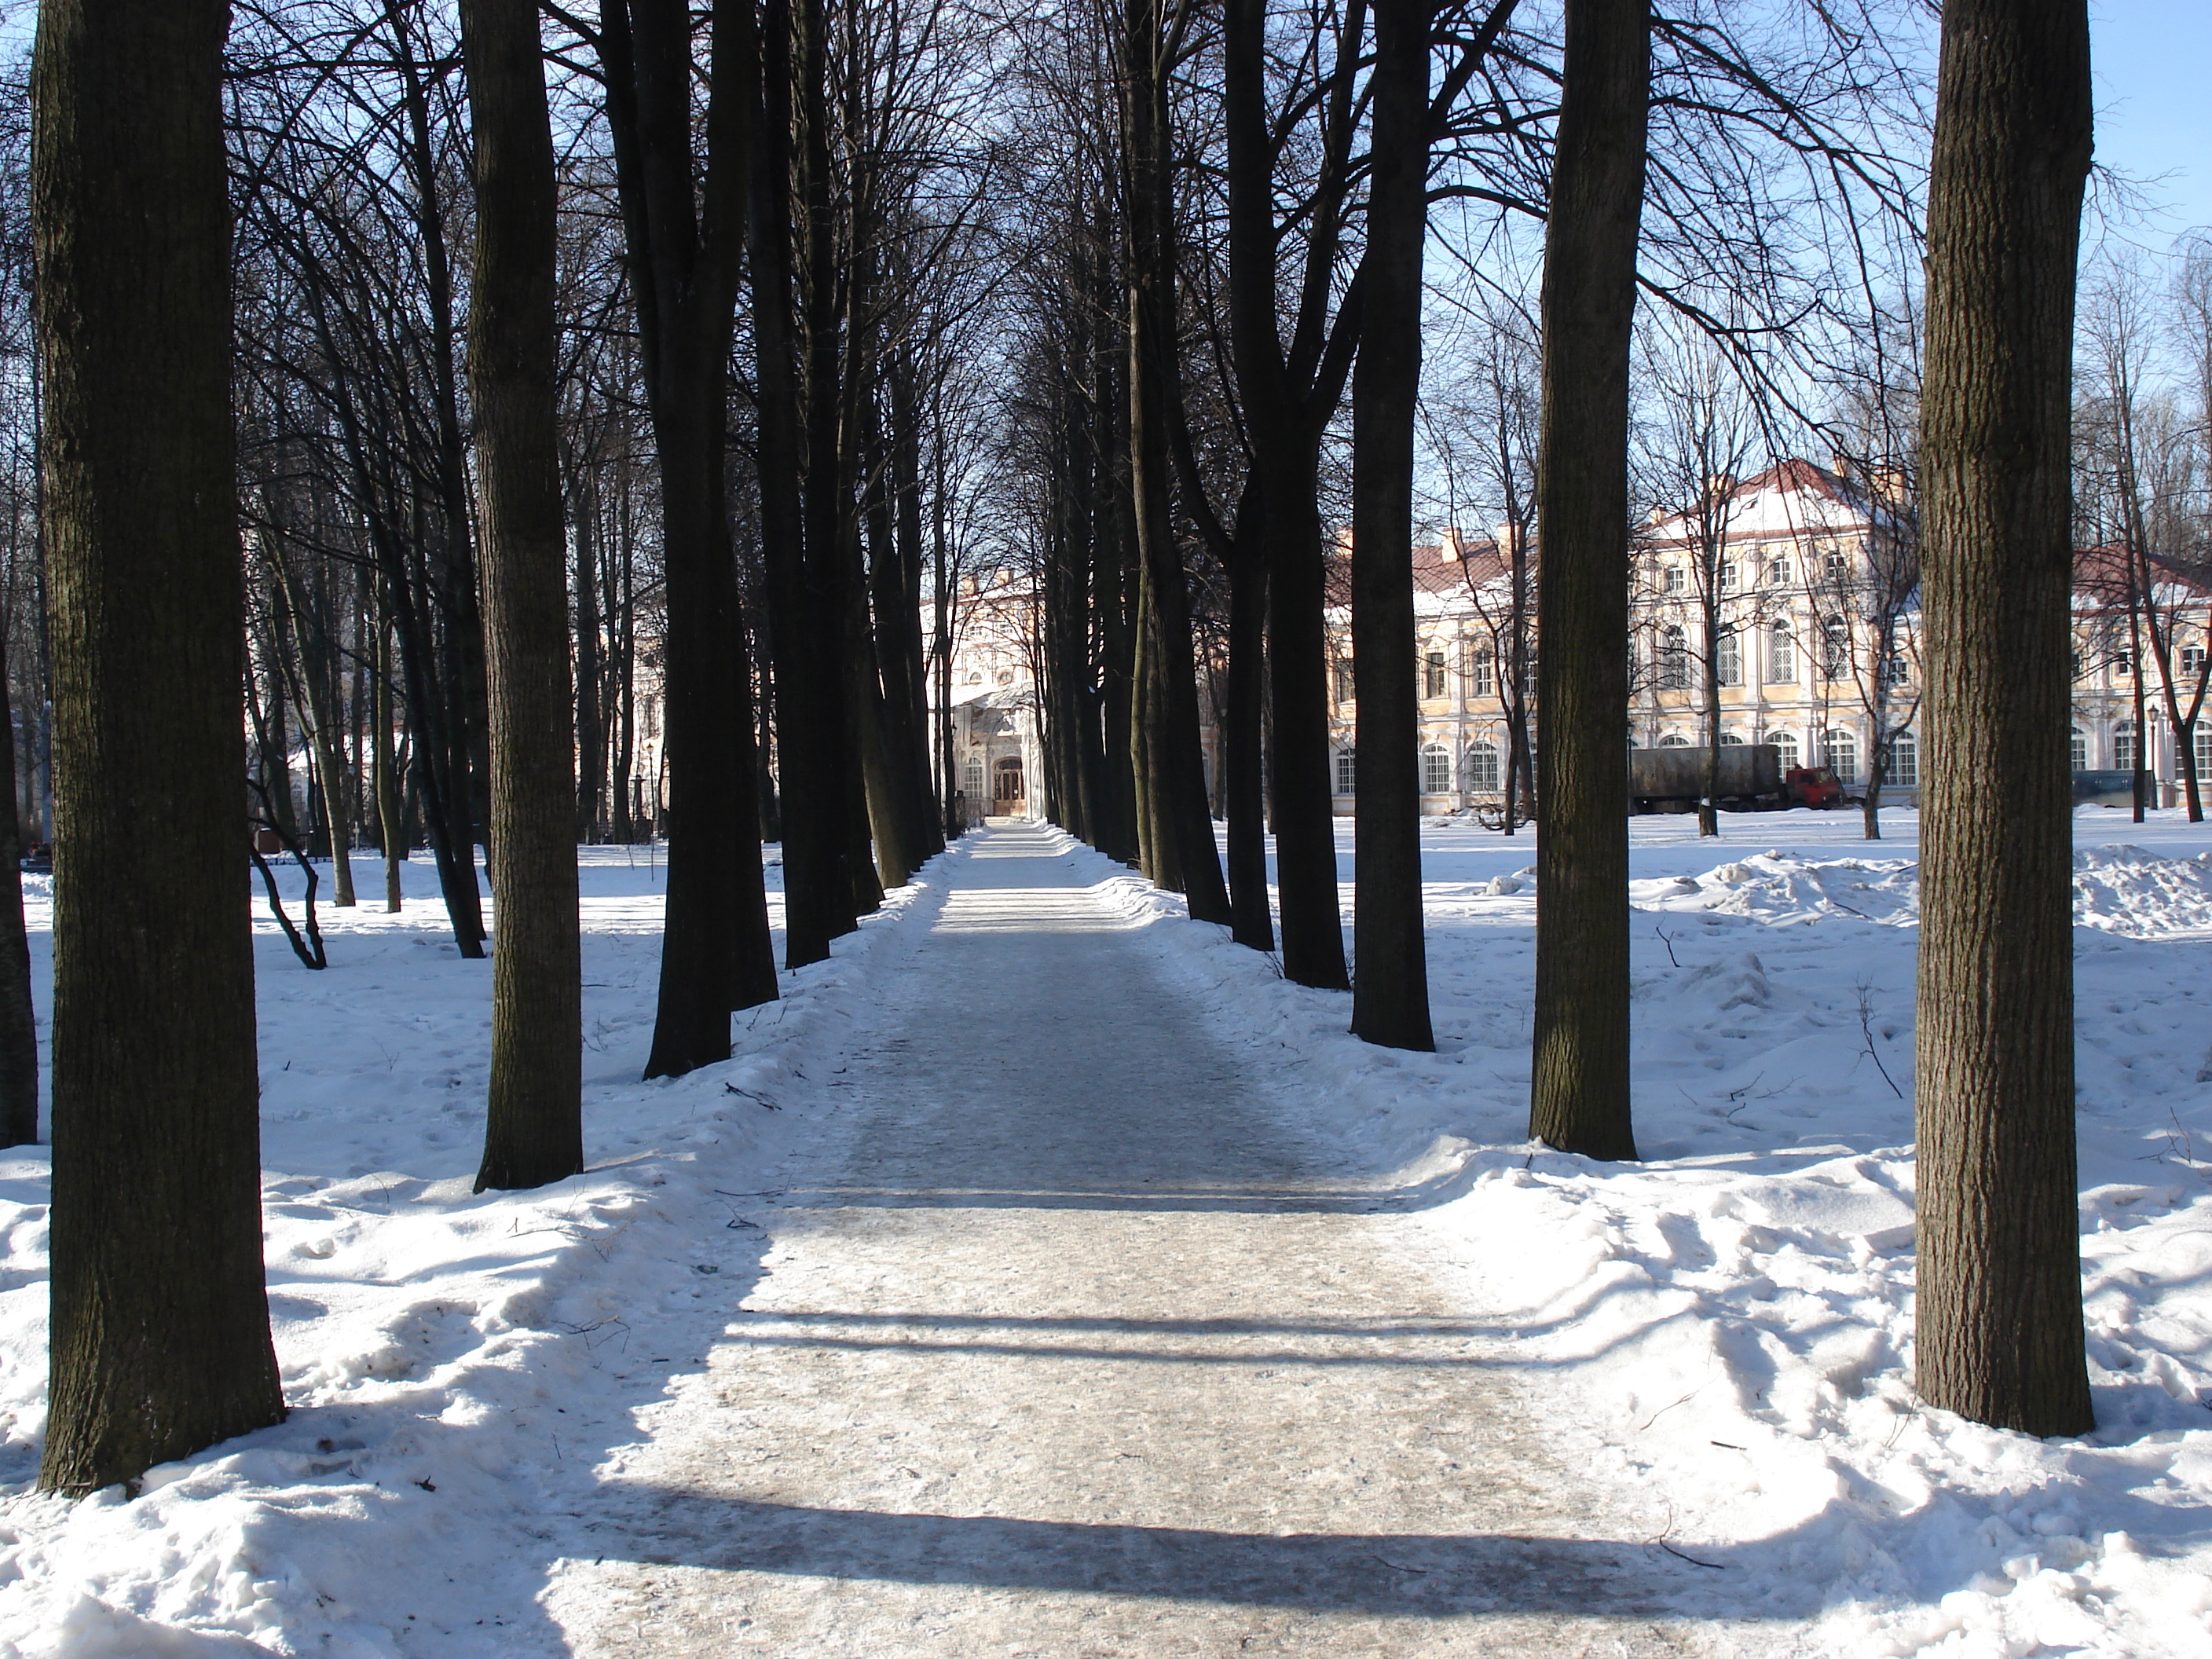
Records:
x=449, y=1359
x=1737, y=1309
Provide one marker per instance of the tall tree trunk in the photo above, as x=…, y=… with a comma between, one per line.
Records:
x=391, y=832
x=1286, y=404
x=1998, y=1322
x=1243, y=724
x=314, y=702
x=591, y=721
x=684, y=239
x=1114, y=595
x=1578, y=1096
x=19, y=1025
x=159, y=1338
x=1172, y=747
x=817, y=895
x=1390, y=991
x=534, y=1124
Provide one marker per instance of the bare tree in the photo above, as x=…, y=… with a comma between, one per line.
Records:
x=1579, y=1097
x=1998, y=1325
x=160, y=1339
x=533, y=1130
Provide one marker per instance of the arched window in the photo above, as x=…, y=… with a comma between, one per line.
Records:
x=1347, y=772
x=1781, y=655
x=1728, y=660
x=2077, y=745
x=1785, y=747
x=1675, y=661
x=2123, y=747
x=1841, y=748
x=1904, y=761
x=1482, y=768
x=1673, y=740
x=1435, y=769
x=1835, y=649
x=1731, y=740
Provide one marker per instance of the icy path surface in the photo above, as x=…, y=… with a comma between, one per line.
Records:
x=1063, y=1346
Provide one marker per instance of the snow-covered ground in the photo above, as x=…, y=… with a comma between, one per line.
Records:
x=1741, y=1303
x=432, y=1343
x=1738, y=1305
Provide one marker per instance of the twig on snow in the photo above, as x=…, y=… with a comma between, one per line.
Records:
x=1866, y=1031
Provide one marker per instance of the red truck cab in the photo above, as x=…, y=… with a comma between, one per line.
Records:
x=1813, y=785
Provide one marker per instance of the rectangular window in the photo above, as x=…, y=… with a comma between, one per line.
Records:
x=2124, y=665
x=1777, y=572
x=1347, y=772
x=1727, y=577
x=1344, y=681
x=1781, y=656
x=1673, y=579
x=1728, y=660
x=2192, y=660
x=1432, y=675
x=1482, y=674
x=1904, y=761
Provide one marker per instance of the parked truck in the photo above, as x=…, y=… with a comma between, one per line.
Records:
x=1674, y=779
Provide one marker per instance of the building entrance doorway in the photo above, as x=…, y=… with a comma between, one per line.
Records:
x=1009, y=798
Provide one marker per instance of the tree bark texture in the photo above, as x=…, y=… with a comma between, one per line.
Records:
x=683, y=240
x=1286, y=397
x=1579, y=1098
x=19, y=1025
x=1998, y=1322
x=1175, y=789
x=533, y=1128
x=160, y=1322
x=1390, y=981
x=818, y=903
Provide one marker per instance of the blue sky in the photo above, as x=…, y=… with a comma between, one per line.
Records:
x=2152, y=63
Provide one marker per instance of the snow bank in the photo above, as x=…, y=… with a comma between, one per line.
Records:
x=437, y=1348
x=1737, y=1309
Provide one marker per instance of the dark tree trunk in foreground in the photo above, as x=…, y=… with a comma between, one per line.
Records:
x=683, y=236
x=1999, y=1320
x=533, y=1129
x=1288, y=394
x=817, y=889
x=19, y=1025
x=160, y=1325
x=1243, y=724
x=1184, y=857
x=1390, y=983
x=1578, y=1099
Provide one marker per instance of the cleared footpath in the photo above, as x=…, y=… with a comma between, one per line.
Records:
x=1067, y=1343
